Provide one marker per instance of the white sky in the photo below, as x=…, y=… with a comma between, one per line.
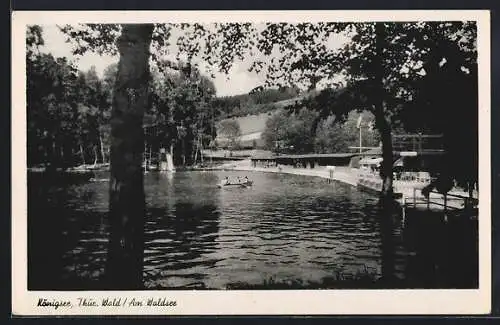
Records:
x=238, y=81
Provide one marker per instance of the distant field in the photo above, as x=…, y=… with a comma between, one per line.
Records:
x=253, y=125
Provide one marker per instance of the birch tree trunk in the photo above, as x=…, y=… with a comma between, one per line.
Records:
x=183, y=152
x=172, y=152
x=126, y=200
x=95, y=154
x=196, y=153
x=103, y=156
x=201, y=151
x=82, y=153
x=150, y=155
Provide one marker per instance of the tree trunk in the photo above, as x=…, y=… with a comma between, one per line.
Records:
x=103, y=156
x=381, y=119
x=386, y=196
x=150, y=155
x=183, y=152
x=201, y=151
x=196, y=152
x=95, y=154
x=53, y=161
x=386, y=173
x=82, y=153
x=127, y=200
x=61, y=153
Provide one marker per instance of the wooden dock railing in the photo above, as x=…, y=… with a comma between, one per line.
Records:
x=441, y=202
x=418, y=142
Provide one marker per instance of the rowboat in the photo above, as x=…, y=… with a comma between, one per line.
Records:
x=245, y=184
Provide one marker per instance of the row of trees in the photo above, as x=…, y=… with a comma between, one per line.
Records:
x=182, y=113
x=69, y=111
x=258, y=100
x=302, y=132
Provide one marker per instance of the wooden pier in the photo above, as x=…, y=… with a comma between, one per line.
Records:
x=449, y=204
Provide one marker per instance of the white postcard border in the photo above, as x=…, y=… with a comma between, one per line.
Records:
x=376, y=302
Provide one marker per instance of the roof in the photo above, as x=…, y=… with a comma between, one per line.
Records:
x=263, y=154
x=371, y=161
x=318, y=155
x=251, y=136
x=374, y=151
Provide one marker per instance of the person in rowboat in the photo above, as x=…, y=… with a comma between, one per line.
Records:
x=225, y=181
x=246, y=180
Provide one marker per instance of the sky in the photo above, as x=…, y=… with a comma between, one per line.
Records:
x=238, y=81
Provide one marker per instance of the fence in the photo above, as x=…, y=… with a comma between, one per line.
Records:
x=445, y=202
x=418, y=142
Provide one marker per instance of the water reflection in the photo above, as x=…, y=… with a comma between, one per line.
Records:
x=179, y=248
x=286, y=228
x=67, y=233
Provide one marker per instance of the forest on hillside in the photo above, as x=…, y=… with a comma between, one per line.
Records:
x=69, y=111
x=259, y=100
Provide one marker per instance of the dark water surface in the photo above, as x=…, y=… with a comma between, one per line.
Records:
x=284, y=228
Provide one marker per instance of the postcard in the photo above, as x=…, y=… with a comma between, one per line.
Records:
x=251, y=163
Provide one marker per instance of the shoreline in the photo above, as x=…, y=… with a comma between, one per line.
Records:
x=341, y=174
x=346, y=176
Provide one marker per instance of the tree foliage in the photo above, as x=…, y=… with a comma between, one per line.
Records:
x=404, y=73
x=181, y=111
x=380, y=67
x=230, y=129
x=65, y=109
x=259, y=100
x=385, y=68
x=301, y=132
x=68, y=111
x=336, y=136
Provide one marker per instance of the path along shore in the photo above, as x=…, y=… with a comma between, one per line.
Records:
x=348, y=176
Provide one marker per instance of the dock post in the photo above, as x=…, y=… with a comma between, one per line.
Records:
x=404, y=211
x=414, y=198
x=163, y=160
x=445, y=202
x=445, y=208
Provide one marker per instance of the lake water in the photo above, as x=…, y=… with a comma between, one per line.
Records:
x=283, y=229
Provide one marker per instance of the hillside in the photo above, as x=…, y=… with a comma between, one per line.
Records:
x=252, y=125
x=255, y=102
